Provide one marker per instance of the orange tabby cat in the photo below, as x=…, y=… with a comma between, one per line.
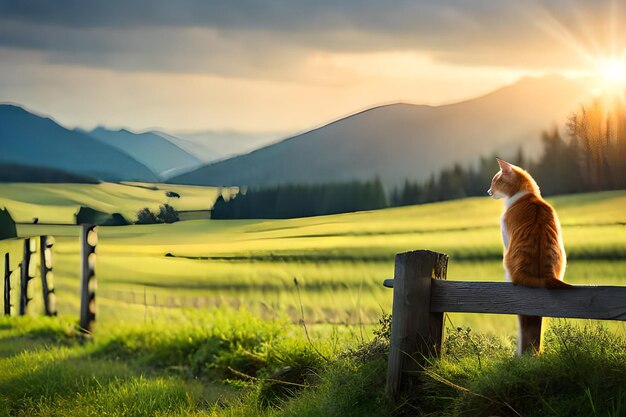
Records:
x=534, y=255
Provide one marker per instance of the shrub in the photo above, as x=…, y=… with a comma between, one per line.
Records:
x=145, y=216
x=167, y=214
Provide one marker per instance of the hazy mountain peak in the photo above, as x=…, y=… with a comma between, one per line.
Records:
x=150, y=148
x=402, y=140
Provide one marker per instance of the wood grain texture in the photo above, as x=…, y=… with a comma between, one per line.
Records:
x=415, y=329
x=585, y=302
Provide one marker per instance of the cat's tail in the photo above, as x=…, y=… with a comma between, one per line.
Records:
x=557, y=283
x=536, y=282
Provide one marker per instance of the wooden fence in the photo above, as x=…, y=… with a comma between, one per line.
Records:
x=88, y=242
x=421, y=295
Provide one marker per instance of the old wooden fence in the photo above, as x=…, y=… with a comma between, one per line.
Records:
x=421, y=295
x=26, y=275
x=88, y=242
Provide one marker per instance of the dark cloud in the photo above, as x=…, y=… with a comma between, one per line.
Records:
x=244, y=38
x=287, y=15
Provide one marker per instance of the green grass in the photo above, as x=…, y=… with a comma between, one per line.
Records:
x=239, y=365
x=340, y=261
x=170, y=327
x=58, y=203
x=48, y=368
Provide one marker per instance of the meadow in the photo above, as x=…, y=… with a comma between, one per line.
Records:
x=58, y=203
x=339, y=261
x=234, y=318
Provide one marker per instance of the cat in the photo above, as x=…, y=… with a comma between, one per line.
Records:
x=534, y=255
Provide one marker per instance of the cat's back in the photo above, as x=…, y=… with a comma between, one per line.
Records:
x=530, y=210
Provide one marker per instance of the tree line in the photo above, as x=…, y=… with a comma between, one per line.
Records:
x=591, y=157
x=301, y=200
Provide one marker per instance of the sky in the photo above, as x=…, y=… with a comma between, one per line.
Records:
x=282, y=65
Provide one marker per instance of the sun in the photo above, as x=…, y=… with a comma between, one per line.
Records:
x=612, y=71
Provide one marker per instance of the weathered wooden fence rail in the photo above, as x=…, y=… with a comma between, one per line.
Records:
x=421, y=296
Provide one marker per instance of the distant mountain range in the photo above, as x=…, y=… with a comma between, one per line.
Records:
x=152, y=149
x=29, y=140
x=32, y=140
x=392, y=142
x=212, y=145
x=401, y=141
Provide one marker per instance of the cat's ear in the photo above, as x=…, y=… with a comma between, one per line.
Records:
x=504, y=166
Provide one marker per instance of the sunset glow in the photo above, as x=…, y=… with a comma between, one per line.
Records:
x=222, y=66
x=613, y=72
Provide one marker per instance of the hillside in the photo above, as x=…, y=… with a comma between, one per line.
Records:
x=217, y=145
x=405, y=140
x=57, y=203
x=29, y=139
x=151, y=149
x=178, y=297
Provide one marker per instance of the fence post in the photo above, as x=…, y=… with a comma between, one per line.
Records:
x=415, y=331
x=45, y=265
x=25, y=277
x=88, y=242
x=7, y=285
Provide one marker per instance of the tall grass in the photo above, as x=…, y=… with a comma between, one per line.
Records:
x=238, y=365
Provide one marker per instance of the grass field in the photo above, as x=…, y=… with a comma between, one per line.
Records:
x=339, y=261
x=58, y=203
x=202, y=318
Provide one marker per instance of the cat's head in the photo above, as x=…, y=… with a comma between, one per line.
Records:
x=510, y=180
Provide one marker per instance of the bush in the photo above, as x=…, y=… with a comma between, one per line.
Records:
x=145, y=216
x=166, y=214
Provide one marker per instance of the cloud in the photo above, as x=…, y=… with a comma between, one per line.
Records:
x=87, y=96
x=270, y=39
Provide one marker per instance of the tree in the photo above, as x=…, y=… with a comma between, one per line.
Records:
x=146, y=216
x=167, y=214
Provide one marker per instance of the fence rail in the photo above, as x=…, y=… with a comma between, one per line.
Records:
x=580, y=302
x=421, y=296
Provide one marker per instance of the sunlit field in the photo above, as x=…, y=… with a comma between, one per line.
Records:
x=157, y=272
x=58, y=203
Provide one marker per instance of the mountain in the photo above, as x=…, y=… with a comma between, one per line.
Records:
x=29, y=139
x=217, y=145
x=200, y=149
x=152, y=149
x=401, y=141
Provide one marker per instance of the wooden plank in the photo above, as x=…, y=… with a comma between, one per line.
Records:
x=415, y=330
x=584, y=302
